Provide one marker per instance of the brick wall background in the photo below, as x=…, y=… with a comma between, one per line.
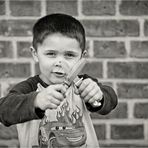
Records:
x=117, y=42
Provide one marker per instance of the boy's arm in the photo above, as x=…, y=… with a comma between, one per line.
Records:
x=18, y=105
x=109, y=100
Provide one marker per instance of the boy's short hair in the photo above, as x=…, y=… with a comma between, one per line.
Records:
x=58, y=23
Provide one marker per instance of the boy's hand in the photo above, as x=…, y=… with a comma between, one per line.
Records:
x=50, y=97
x=90, y=91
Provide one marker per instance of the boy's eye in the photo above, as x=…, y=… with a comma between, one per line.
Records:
x=70, y=55
x=51, y=53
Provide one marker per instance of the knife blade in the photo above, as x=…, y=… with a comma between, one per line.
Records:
x=72, y=77
x=73, y=73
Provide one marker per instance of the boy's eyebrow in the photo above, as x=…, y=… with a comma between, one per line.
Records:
x=71, y=51
x=50, y=50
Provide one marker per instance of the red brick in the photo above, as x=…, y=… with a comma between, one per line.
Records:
x=8, y=132
x=4, y=146
x=146, y=27
x=109, y=49
x=6, y=49
x=140, y=110
x=134, y=8
x=139, y=49
x=25, y=8
x=12, y=70
x=120, y=112
x=23, y=49
x=107, y=83
x=100, y=131
x=2, y=7
x=111, y=28
x=130, y=70
x=16, y=27
x=132, y=90
x=135, y=131
x=93, y=69
x=66, y=6
x=98, y=7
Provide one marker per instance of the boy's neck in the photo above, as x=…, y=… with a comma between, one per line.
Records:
x=44, y=81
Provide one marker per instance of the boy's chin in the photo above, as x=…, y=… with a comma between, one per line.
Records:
x=57, y=81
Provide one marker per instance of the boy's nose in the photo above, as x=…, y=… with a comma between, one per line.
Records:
x=63, y=64
x=58, y=63
x=59, y=60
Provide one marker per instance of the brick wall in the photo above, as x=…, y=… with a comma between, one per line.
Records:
x=117, y=33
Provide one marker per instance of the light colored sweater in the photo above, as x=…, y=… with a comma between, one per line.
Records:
x=69, y=124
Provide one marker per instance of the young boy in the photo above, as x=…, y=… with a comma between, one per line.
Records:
x=48, y=113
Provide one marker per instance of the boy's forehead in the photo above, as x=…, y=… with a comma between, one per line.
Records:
x=58, y=35
x=61, y=49
x=60, y=40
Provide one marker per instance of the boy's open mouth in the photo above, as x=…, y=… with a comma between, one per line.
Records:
x=59, y=74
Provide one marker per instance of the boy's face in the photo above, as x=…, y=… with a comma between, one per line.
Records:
x=56, y=56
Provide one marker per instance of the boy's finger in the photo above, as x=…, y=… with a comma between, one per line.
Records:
x=88, y=90
x=58, y=87
x=55, y=101
x=82, y=86
x=76, y=91
x=78, y=81
x=93, y=99
x=58, y=95
x=96, y=97
x=90, y=95
x=51, y=106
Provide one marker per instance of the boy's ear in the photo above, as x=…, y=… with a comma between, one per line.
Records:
x=84, y=54
x=34, y=54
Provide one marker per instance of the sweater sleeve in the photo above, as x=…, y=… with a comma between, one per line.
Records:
x=18, y=105
x=109, y=101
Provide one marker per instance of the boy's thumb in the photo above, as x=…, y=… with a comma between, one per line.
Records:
x=40, y=87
